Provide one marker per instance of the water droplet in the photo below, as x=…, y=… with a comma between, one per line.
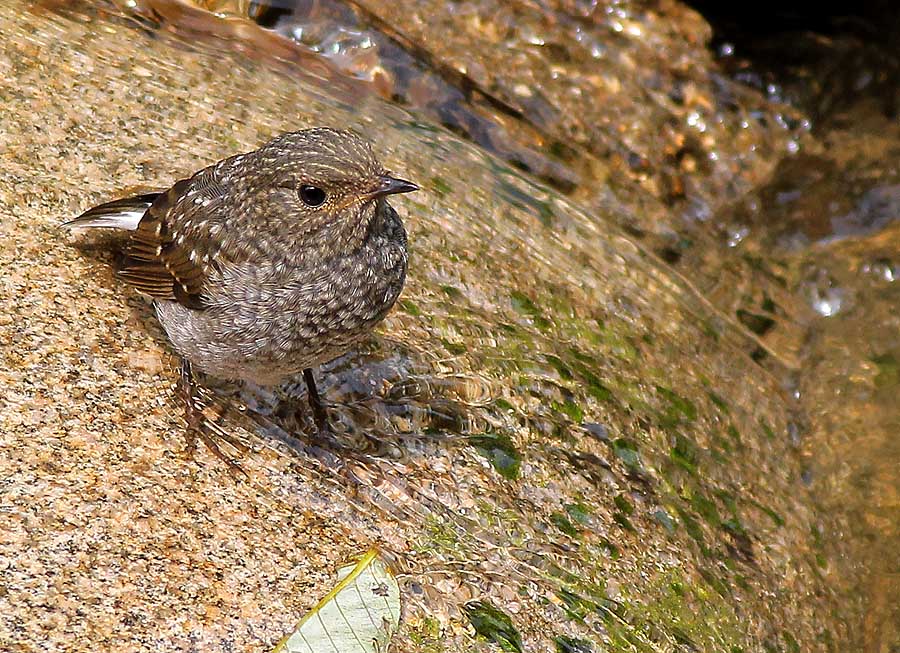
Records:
x=827, y=302
x=736, y=235
x=825, y=297
x=882, y=269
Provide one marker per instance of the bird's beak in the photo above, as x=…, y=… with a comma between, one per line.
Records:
x=388, y=185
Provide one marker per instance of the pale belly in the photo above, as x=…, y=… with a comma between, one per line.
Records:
x=266, y=332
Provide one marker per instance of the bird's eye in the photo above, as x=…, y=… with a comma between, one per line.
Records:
x=312, y=196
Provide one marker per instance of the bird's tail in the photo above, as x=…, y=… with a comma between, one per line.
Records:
x=122, y=214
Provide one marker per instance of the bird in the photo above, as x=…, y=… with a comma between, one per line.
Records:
x=268, y=263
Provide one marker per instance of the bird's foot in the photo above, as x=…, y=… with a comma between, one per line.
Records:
x=319, y=412
x=320, y=415
x=202, y=426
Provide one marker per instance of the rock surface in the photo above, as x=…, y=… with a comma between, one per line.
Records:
x=551, y=425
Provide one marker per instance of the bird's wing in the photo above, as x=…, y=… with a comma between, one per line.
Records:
x=169, y=255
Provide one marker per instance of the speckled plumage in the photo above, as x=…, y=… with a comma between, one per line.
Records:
x=252, y=282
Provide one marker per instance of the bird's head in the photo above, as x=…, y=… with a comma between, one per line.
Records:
x=325, y=179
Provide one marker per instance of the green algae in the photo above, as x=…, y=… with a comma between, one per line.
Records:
x=675, y=610
x=578, y=606
x=718, y=401
x=570, y=409
x=452, y=292
x=523, y=305
x=626, y=450
x=888, y=375
x=706, y=508
x=617, y=341
x=578, y=512
x=609, y=547
x=623, y=504
x=440, y=535
x=776, y=518
x=693, y=528
x=693, y=614
x=426, y=635
x=503, y=404
x=566, y=644
x=561, y=368
x=678, y=407
x=563, y=524
x=455, y=348
x=662, y=516
x=493, y=625
x=410, y=307
x=733, y=523
x=622, y=520
x=440, y=186
x=766, y=429
x=685, y=453
x=538, y=208
x=500, y=452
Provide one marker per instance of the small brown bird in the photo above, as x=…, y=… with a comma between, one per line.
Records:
x=267, y=263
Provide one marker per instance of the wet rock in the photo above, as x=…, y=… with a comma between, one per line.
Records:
x=525, y=315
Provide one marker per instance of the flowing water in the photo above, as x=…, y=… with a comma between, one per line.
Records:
x=638, y=395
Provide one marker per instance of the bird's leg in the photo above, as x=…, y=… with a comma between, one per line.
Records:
x=320, y=415
x=198, y=425
x=192, y=414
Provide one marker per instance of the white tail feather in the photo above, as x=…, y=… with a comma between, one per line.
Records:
x=127, y=220
x=124, y=214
